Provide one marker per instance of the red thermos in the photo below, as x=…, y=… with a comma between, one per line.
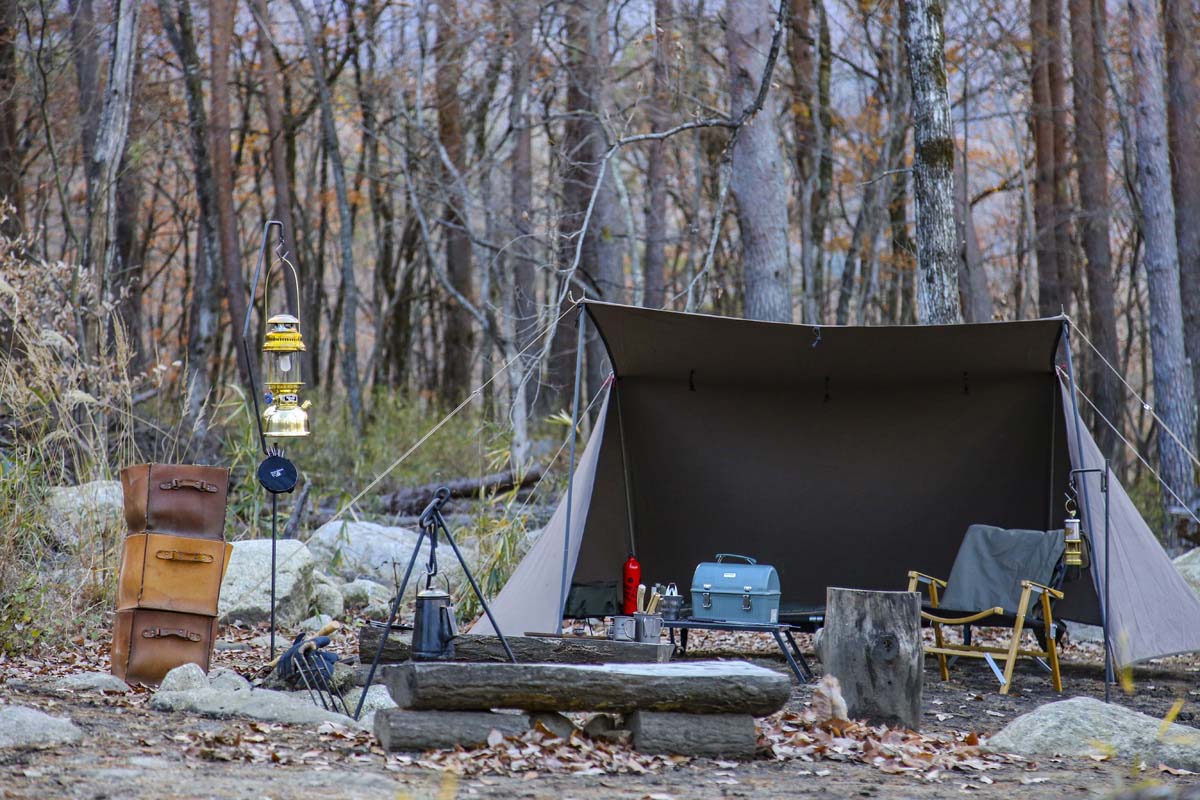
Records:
x=633, y=577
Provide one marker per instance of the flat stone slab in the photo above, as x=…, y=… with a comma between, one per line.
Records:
x=701, y=687
x=704, y=735
x=260, y=704
x=21, y=726
x=92, y=682
x=1083, y=726
x=400, y=730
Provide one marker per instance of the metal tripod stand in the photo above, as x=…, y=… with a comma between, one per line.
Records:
x=431, y=521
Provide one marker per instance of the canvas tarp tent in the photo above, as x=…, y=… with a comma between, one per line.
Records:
x=843, y=456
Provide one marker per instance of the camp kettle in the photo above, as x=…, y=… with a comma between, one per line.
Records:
x=434, y=627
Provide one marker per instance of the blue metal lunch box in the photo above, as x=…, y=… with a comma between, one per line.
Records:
x=724, y=591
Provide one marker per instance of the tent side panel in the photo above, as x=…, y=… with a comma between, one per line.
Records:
x=1154, y=612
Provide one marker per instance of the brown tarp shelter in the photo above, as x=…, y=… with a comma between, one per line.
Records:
x=843, y=456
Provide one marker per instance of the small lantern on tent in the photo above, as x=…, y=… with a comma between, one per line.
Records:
x=285, y=416
x=1073, y=537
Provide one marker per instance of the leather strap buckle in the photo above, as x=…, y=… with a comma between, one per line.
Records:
x=162, y=633
x=188, y=483
x=176, y=555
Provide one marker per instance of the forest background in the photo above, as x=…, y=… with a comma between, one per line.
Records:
x=452, y=174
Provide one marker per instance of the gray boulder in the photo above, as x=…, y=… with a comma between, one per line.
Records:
x=1083, y=726
x=314, y=624
x=260, y=704
x=183, y=678
x=227, y=680
x=81, y=514
x=366, y=549
x=1188, y=565
x=246, y=590
x=92, y=682
x=21, y=726
x=328, y=600
x=362, y=592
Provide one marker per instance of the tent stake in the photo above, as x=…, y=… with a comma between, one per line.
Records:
x=580, y=324
x=1108, y=672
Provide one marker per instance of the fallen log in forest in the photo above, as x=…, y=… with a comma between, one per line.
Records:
x=414, y=499
x=527, y=649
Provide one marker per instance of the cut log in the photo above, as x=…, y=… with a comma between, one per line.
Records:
x=872, y=645
x=399, y=730
x=707, y=735
x=701, y=687
x=527, y=649
x=413, y=500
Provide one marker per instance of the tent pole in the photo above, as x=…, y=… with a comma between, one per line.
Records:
x=1086, y=507
x=1108, y=668
x=628, y=483
x=580, y=324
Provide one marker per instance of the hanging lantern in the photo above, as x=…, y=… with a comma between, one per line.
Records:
x=1073, y=537
x=285, y=416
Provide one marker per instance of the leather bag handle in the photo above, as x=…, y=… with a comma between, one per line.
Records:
x=176, y=555
x=188, y=483
x=162, y=633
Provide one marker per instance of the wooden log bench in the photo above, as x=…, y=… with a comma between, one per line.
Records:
x=527, y=649
x=704, y=708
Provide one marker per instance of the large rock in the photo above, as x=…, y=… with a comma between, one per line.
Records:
x=353, y=550
x=184, y=678
x=1083, y=726
x=81, y=514
x=1188, y=565
x=21, y=726
x=260, y=704
x=92, y=682
x=328, y=600
x=362, y=592
x=246, y=590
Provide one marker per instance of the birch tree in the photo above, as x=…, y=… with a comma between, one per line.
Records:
x=1174, y=397
x=933, y=163
x=758, y=169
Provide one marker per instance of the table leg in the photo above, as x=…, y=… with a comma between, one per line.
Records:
x=683, y=641
x=788, y=655
x=800, y=656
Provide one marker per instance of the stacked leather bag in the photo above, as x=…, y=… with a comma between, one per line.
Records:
x=172, y=564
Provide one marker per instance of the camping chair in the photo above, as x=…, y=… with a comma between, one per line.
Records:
x=999, y=578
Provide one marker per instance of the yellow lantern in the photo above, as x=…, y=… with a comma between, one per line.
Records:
x=1073, y=537
x=285, y=416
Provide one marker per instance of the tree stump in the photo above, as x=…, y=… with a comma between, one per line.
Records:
x=872, y=645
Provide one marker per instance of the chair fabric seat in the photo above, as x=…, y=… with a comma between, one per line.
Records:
x=992, y=562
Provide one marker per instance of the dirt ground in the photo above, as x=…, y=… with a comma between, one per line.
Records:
x=131, y=751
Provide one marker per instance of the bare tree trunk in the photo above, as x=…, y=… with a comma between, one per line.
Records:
x=349, y=293
x=1183, y=115
x=656, y=171
x=976, y=297
x=1174, y=398
x=12, y=223
x=220, y=22
x=800, y=45
x=933, y=163
x=1064, y=251
x=205, y=312
x=1088, y=36
x=1052, y=295
x=758, y=171
x=85, y=46
x=458, y=342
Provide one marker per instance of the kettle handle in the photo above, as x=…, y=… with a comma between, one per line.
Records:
x=722, y=556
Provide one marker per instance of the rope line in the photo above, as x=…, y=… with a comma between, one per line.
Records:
x=1132, y=391
x=1134, y=450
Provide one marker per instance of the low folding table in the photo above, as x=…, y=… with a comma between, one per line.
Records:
x=779, y=631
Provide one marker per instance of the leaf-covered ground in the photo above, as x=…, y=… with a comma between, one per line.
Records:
x=130, y=750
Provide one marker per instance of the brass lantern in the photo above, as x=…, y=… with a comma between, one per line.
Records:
x=285, y=416
x=1073, y=537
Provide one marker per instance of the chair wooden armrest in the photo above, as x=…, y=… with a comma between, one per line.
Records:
x=987, y=612
x=921, y=577
x=1055, y=593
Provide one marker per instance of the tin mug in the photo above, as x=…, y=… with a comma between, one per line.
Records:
x=623, y=629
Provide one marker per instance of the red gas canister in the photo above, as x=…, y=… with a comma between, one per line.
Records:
x=632, y=577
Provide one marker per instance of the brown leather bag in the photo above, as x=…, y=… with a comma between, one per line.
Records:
x=172, y=573
x=148, y=644
x=183, y=499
